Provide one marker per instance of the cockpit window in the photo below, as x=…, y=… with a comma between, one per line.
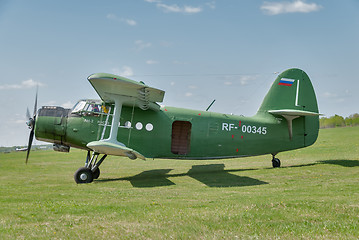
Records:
x=89, y=107
x=78, y=106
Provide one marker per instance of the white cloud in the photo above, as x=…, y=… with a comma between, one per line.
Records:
x=192, y=87
x=20, y=121
x=113, y=17
x=67, y=104
x=186, y=9
x=275, y=8
x=125, y=71
x=151, y=62
x=153, y=1
x=330, y=95
x=24, y=84
x=190, y=9
x=211, y=4
x=245, y=80
x=189, y=94
x=30, y=83
x=140, y=45
x=169, y=8
x=335, y=97
x=174, y=8
x=49, y=103
x=130, y=22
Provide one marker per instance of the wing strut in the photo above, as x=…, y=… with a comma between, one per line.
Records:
x=115, y=121
x=111, y=146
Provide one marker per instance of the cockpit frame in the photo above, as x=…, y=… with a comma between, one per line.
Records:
x=90, y=107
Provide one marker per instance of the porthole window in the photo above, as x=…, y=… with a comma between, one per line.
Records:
x=139, y=126
x=149, y=127
x=128, y=124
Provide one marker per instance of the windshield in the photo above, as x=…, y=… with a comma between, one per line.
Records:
x=88, y=107
x=78, y=106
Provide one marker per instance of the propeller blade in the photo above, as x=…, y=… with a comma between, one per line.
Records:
x=32, y=122
x=31, y=137
x=35, y=106
x=27, y=114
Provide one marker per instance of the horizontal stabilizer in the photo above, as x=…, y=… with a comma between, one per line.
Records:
x=291, y=112
x=290, y=115
x=110, y=148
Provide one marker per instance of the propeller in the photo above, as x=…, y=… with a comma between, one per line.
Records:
x=31, y=124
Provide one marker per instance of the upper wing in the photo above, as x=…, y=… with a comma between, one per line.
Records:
x=136, y=93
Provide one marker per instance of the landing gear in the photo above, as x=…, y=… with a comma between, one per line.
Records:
x=83, y=175
x=91, y=170
x=275, y=162
x=96, y=174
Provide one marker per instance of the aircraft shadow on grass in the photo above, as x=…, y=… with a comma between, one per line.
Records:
x=212, y=175
x=343, y=163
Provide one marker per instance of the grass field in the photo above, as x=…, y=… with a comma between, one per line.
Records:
x=314, y=195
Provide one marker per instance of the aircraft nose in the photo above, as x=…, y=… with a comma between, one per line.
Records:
x=51, y=123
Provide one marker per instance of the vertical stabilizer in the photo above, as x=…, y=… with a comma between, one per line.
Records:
x=291, y=90
x=292, y=97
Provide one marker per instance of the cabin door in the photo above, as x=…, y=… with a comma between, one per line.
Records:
x=181, y=137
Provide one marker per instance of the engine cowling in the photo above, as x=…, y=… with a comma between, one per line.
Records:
x=51, y=124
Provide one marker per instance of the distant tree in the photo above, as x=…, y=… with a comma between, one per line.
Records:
x=334, y=121
x=352, y=120
x=348, y=121
x=324, y=123
x=339, y=121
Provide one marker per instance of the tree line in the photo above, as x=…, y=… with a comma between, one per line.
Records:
x=339, y=121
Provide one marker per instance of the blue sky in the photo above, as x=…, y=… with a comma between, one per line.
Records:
x=196, y=51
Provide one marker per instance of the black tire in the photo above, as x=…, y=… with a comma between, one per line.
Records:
x=83, y=175
x=96, y=173
x=276, y=162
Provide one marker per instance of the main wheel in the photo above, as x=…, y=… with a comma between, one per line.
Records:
x=275, y=162
x=96, y=173
x=83, y=175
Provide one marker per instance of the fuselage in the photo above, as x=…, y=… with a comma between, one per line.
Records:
x=175, y=132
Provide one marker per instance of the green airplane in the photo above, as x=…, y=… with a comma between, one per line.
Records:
x=128, y=121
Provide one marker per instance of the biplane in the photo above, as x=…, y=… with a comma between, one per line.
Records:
x=129, y=122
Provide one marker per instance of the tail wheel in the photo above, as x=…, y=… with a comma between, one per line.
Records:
x=84, y=175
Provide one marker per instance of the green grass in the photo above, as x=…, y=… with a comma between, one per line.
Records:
x=314, y=195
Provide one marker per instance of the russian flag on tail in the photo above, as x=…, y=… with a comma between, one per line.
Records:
x=286, y=82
